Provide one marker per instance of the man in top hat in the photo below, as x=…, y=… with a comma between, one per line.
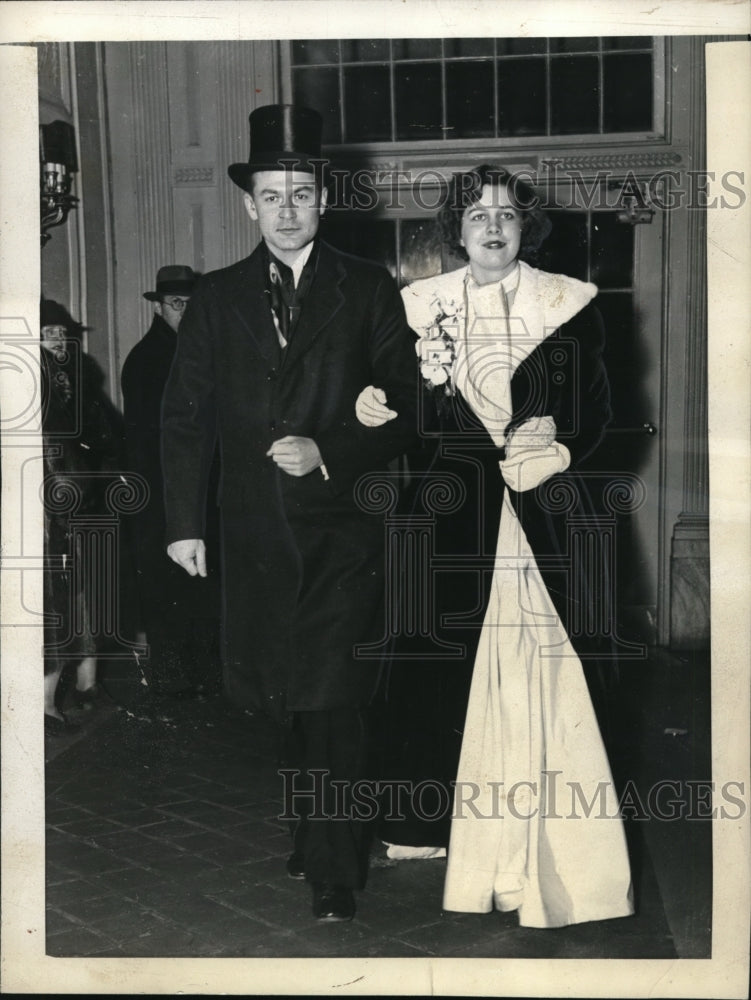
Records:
x=179, y=615
x=272, y=354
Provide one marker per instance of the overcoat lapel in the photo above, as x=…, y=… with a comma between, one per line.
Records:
x=252, y=310
x=322, y=303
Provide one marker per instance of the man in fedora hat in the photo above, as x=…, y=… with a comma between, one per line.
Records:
x=179, y=615
x=174, y=285
x=272, y=354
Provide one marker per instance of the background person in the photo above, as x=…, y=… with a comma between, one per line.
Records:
x=82, y=435
x=180, y=614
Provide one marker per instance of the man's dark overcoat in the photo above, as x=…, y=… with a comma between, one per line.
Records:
x=302, y=561
x=168, y=596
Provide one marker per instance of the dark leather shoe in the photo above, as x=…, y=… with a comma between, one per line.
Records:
x=332, y=902
x=296, y=865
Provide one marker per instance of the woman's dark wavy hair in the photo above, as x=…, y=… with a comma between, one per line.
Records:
x=465, y=189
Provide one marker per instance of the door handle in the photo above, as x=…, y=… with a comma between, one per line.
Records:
x=646, y=428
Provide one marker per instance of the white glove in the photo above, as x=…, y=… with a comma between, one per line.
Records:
x=528, y=468
x=371, y=408
x=536, y=433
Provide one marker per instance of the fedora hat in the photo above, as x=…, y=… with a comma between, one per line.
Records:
x=174, y=279
x=282, y=137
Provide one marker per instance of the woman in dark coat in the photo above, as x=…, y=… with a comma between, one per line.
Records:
x=514, y=354
x=82, y=437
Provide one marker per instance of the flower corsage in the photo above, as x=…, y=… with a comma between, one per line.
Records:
x=437, y=345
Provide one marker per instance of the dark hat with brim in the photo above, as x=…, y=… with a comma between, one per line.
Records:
x=52, y=313
x=173, y=279
x=282, y=137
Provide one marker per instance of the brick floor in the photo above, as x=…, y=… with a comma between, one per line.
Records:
x=163, y=840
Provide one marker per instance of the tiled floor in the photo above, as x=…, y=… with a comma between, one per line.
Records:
x=163, y=840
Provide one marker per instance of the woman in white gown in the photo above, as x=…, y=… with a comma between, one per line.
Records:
x=535, y=824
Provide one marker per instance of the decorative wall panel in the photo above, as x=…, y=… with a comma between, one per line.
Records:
x=179, y=117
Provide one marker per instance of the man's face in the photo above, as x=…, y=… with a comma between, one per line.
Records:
x=288, y=207
x=171, y=309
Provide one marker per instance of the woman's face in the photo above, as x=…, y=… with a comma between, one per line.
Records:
x=491, y=234
x=54, y=338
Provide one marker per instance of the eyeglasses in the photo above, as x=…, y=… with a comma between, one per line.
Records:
x=174, y=303
x=53, y=332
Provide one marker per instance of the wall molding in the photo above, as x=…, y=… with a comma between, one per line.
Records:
x=696, y=470
x=619, y=161
x=542, y=163
x=154, y=216
x=247, y=77
x=203, y=176
x=690, y=583
x=689, y=587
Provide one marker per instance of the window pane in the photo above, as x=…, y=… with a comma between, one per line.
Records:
x=565, y=249
x=417, y=48
x=355, y=233
x=612, y=251
x=467, y=47
x=521, y=97
x=574, y=95
x=521, y=46
x=364, y=49
x=627, y=362
x=367, y=104
x=419, y=114
x=469, y=100
x=420, y=249
x=627, y=93
x=573, y=44
x=317, y=50
x=439, y=89
x=627, y=42
x=319, y=89
x=623, y=361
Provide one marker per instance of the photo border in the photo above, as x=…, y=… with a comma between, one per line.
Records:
x=25, y=968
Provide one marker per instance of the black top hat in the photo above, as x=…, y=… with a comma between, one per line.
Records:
x=282, y=137
x=174, y=279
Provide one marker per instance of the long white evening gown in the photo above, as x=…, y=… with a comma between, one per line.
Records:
x=533, y=762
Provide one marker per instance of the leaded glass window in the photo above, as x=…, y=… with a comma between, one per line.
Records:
x=442, y=89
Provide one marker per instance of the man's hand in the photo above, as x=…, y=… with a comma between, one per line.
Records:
x=190, y=553
x=371, y=408
x=297, y=456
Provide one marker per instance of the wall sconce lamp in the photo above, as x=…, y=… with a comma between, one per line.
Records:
x=58, y=163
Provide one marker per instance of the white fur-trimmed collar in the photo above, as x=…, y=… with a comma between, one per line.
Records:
x=546, y=301
x=542, y=301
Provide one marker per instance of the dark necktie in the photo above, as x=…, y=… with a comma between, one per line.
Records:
x=286, y=300
x=282, y=288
